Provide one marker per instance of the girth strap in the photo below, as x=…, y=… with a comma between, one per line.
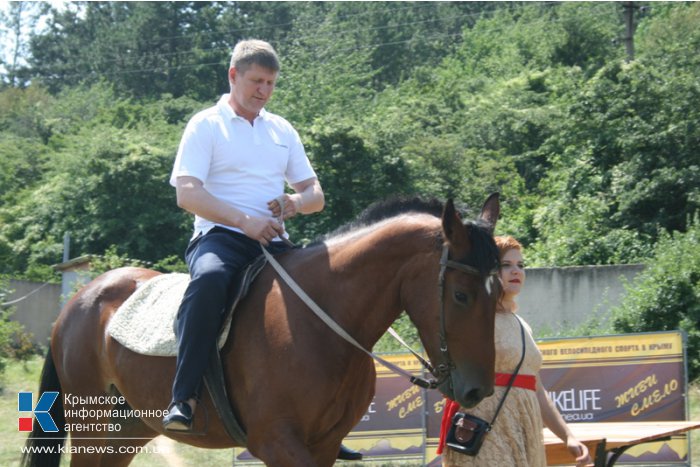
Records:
x=214, y=380
x=214, y=373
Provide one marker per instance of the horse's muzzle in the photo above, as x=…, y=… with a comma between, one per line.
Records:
x=473, y=396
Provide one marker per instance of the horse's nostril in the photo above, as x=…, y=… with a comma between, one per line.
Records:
x=475, y=396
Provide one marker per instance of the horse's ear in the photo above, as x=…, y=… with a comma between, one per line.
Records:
x=455, y=232
x=491, y=211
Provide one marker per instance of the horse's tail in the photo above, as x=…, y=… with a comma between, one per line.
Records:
x=43, y=449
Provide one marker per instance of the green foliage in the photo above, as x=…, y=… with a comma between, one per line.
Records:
x=577, y=235
x=142, y=48
x=172, y=263
x=666, y=295
x=353, y=175
x=593, y=156
x=111, y=259
x=15, y=343
x=408, y=333
x=103, y=178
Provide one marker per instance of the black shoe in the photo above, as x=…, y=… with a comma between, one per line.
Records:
x=179, y=417
x=348, y=454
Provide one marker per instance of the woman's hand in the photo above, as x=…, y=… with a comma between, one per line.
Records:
x=579, y=451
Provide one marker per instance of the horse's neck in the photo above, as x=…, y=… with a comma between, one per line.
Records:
x=373, y=266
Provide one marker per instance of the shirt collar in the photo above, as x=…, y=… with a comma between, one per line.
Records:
x=228, y=112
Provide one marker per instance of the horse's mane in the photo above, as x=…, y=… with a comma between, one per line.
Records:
x=381, y=210
x=483, y=255
x=386, y=209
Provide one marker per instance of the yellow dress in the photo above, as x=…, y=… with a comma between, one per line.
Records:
x=516, y=438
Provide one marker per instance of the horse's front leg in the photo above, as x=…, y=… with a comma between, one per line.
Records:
x=280, y=447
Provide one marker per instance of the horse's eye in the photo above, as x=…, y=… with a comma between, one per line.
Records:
x=461, y=297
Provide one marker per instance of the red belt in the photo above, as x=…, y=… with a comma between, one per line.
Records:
x=521, y=381
x=451, y=407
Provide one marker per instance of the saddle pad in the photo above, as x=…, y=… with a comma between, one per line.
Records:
x=145, y=321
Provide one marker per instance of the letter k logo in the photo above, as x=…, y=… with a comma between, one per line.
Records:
x=41, y=411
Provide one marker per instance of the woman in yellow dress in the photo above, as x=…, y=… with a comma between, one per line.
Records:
x=516, y=437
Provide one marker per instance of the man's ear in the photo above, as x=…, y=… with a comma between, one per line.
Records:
x=232, y=75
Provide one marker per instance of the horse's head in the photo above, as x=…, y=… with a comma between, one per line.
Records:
x=469, y=291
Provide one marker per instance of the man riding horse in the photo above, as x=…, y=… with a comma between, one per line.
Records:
x=231, y=167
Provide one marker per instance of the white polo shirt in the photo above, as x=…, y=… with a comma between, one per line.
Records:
x=241, y=164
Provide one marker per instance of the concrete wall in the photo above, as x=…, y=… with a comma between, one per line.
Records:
x=38, y=310
x=557, y=298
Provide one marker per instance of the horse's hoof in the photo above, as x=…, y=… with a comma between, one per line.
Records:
x=179, y=417
x=348, y=454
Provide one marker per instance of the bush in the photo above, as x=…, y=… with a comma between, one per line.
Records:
x=111, y=259
x=666, y=295
x=15, y=342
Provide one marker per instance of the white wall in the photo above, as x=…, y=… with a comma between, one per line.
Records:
x=38, y=310
x=556, y=298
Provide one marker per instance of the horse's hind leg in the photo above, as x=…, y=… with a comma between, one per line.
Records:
x=123, y=447
x=87, y=427
x=287, y=455
x=104, y=441
x=281, y=449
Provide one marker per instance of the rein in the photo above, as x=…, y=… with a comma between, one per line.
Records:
x=443, y=371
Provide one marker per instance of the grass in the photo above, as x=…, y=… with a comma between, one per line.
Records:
x=18, y=377
x=694, y=403
x=25, y=376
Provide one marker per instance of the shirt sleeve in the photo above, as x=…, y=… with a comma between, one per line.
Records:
x=298, y=167
x=195, y=151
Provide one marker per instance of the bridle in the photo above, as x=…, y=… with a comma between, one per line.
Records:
x=443, y=371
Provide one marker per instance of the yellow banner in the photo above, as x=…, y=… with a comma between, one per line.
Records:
x=653, y=345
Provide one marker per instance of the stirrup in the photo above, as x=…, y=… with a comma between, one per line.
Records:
x=179, y=417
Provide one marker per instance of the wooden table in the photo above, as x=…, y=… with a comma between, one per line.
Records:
x=607, y=441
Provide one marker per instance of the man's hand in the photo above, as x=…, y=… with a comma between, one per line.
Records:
x=292, y=206
x=261, y=229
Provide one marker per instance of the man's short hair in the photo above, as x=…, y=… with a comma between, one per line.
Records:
x=253, y=51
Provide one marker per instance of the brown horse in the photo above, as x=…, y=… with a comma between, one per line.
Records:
x=298, y=387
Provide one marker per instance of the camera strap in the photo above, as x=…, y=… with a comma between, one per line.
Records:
x=515, y=373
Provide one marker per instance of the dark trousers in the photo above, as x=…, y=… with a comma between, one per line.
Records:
x=213, y=259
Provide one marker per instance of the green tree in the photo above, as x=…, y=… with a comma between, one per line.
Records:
x=353, y=175
x=142, y=48
x=666, y=295
x=593, y=156
x=629, y=136
x=19, y=17
x=109, y=190
x=104, y=179
x=15, y=343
